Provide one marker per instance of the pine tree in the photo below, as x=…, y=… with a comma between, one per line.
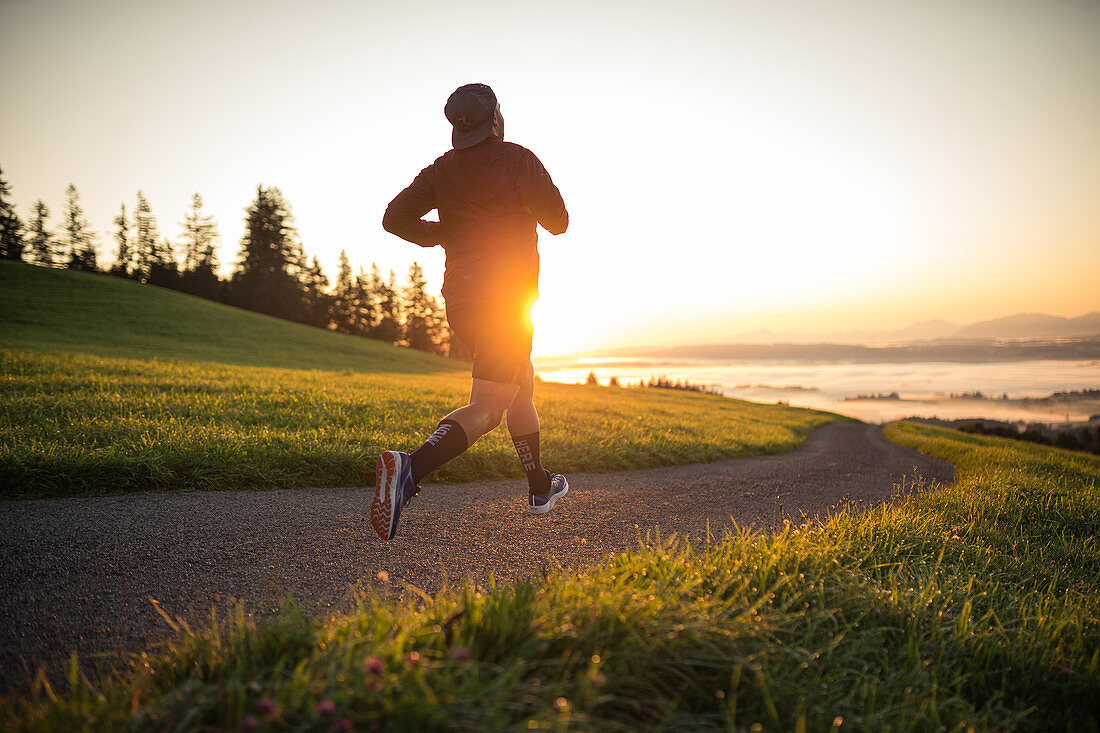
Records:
x=200, y=238
x=146, y=237
x=418, y=311
x=11, y=227
x=271, y=260
x=344, y=298
x=123, y=254
x=364, y=302
x=155, y=259
x=388, y=327
x=439, y=332
x=200, y=261
x=77, y=238
x=318, y=303
x=39, y=238
x=163, y=269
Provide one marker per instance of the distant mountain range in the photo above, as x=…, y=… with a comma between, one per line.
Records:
x=1023, y=337
x=974, y=351
x=1032, y=326
x=1019, y=326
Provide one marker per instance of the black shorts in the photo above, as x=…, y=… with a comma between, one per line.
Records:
x=499, y=338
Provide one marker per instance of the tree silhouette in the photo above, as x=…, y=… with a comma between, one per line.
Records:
x=77, y=237
x=39, y=238
x=200, y=237
x=271, y=259
x=388, y=327
x=146, y=236
x=163, y=268
x=317, y=302
x=439, y=332
x=418, y=311
x=200, y=242
x=364, y=312
x=123, y=254
x=343, y=298
x=425, y=320
x=11, y=228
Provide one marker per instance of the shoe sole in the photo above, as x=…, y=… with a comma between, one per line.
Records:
x=383, y=506
x=545, y=508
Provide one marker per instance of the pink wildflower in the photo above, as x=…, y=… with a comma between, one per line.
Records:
x=249, y=723
x=325, y=708
x=343, y=725
x=268, y=707
x=460, y=654
x=375, y=665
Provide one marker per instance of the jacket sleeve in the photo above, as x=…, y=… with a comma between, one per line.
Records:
x=541, y=195
x=403, y=215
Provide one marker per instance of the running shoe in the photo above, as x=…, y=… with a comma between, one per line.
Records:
x=543, y=503
x=393, y=489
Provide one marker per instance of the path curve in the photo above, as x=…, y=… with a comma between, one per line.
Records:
x=78, y=573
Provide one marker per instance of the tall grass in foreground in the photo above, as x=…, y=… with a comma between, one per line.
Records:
x=971, y=607
x=75, y=424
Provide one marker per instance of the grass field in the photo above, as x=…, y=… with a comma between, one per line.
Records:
x=111, y=386
x=61, y=311
x=975, y=607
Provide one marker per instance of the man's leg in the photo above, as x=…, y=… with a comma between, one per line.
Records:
x=523, y=426
x=544, y=489
x=398, y=474
x=462, y=428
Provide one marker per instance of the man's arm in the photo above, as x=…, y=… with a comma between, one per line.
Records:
x=540, y=193
x=403, y=215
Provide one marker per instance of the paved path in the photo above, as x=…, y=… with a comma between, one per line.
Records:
x=77, y=574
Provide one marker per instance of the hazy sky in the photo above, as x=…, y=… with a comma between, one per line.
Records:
x=727, y=165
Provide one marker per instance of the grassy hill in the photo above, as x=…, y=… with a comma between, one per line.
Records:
x=112, y=386
x=48, y=310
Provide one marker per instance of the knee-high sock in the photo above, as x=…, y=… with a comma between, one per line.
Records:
x=447, y=442
x=527, y=447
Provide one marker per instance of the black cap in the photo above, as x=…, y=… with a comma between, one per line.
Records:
x=470, y=111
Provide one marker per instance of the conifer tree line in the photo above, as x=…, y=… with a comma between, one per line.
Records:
x=272, y=273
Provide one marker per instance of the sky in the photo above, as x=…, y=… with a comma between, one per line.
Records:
x=803, y=166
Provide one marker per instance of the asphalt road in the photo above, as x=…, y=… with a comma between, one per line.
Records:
x=79, y=574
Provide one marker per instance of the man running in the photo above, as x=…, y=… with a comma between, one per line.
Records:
x=490, y=194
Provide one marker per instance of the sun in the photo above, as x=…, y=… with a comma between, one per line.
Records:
x=560, y=328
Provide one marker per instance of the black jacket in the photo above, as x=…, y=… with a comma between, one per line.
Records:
x=489, y=198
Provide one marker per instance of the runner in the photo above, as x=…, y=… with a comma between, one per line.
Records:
x=490, y=194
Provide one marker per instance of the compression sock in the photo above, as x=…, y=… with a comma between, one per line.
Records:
x=538, y=478
x=447, y=442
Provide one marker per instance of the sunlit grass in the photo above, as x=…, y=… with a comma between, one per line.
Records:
x=74, y=424
x=63, y=311
x=973, y=607
x=112, y=386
